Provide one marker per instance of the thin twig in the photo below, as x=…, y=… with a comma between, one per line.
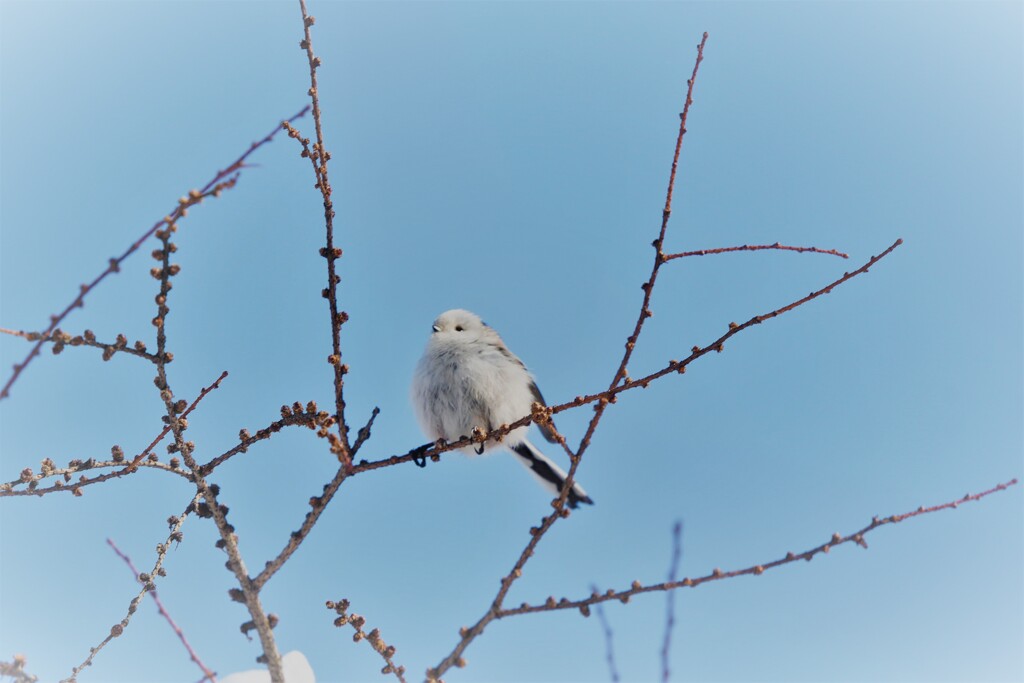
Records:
x=177, y=422
x=176, y=419
x=170, y=425
x=147, y=581
x=387, y=652
x=310, y=419
x=320, y=156
x=670, y=601
x=755, y=570
x=609, y=641
x=317, y=504
x=207, y=674
x=75, y=488
x=247, y=592
x=755, y=247
x=60, y=339
x=49, y=469
x=114, y=264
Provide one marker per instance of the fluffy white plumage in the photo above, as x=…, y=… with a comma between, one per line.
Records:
x=468, y=378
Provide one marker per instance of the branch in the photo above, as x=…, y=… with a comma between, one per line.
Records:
x=319, y=157
x=61, y=339
x=49, y=469
x=177, y=422
x=754, y=247
x=175, y=418
x=318, y=505
x=210, y=507
x=147, y=581
x=247, y=593
x=637, y=588
x=670, y=606
x=307, y=417
x=114, y=265
x=609, y=650
x=387, y=652
x=207, y=674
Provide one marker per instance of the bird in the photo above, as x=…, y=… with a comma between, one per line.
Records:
x=467, y=378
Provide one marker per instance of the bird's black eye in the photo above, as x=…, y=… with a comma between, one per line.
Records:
x=458, y=328
x=435, y=328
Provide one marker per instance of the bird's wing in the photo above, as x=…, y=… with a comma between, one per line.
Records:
x=546, y=429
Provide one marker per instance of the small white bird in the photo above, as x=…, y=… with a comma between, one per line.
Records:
x=468, y=378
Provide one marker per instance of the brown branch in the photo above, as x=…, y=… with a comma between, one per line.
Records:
x=177, y=422
x=161, y=358
x=175, y=417
x=61, y=339
x=318, y=505
x=147, y=581
x=364, y=433
x=50, y=470
x=114, y=264
x=308, y=417
x=387, y=652
x=755, y=247
x=637, y=588
x=247, y=593
x=207, y=674
x=536, y=533
x=320, y=156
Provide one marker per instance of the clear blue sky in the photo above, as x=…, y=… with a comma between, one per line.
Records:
x=511, y=158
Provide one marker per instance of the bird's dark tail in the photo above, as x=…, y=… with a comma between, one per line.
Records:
x=548, y=473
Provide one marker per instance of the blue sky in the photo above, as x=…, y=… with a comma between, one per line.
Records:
x=511, y=158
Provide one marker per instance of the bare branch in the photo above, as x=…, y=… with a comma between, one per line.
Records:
x=210, y=507
x=174, y=418
x=114, y=265
x=60, y=339
x=247, y=592
x=318, y=505
x=49, y=469
x=755, y=247
x=387, y=652
x=148, y=584
x=756, y=570
x=609, y=650
x=307, y=418
x=207, y=674
x=670, y=602
x=319, y=157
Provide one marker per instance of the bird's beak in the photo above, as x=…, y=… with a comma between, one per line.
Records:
x=435, y=328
